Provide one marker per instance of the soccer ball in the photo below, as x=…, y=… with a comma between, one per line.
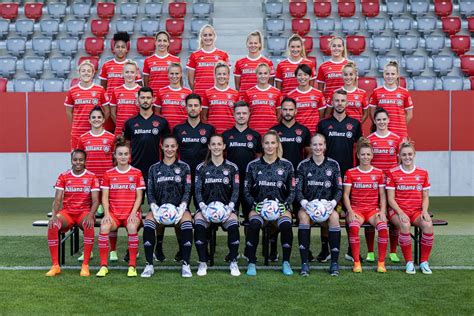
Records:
x=215, y=212
x=270, y=210
x=317, y=211
x=166, y=214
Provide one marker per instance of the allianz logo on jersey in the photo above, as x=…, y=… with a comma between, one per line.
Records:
x=142, y=131
x=341, y=134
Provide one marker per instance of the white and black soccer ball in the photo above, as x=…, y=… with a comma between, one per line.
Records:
x=166, y=214
x=270, y=210
x=215, y=212
x=317, y=211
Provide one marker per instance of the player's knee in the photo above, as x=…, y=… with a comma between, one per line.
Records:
x=256, y=222
x=303, y=218
x=284, y=223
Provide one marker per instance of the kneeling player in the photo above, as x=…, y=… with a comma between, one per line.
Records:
x=408, y=196
x=365, y=201
x=78, y=192
x=122, y=193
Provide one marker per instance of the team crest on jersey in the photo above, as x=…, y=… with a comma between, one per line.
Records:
x=177, y=179
x=328, y=172
x=106, y=149
x=155, y=123
x=95, y=102
x=225, y=180
x=356, y=97
x=131, y=178
x=390, y=142
x=349, y=127
x=399, y=95
x=400, y=102
x=94, y=94
x=249, y=137
x=216, y=57
x=87, y=189
x=373, y=178
x=280, y=172
x=225, y=172
x=203, y=140
x=419, y=187
x=84, y=181
x=298, y=132
x=391, y=150
x=155, y=131
x=202, y=132
x=229, y=96
x=279, y=184
x=133, y=187
x=298, y=139
x=327, y=184
x=349, y=134
x=270, y=95
x=177, y=170
x=250, y=145
x=417, y=178
x=375, y=185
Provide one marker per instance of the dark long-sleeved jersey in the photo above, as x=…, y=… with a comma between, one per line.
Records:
x=318, y=182
x=217, y=183
x=169, y=184
x=269, y=181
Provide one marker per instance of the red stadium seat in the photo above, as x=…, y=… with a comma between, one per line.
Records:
x=100, y=27
x=94, y=60
x=460, y=44
x=467, y=64
x=9, y=10
x=346, y=8
x=470, y=24
x=3, y=84
x=177, y=10
x=308, y=44
x=443, y=7
x=300, y=26
x=403, y=82
x=33, y=10
x=175, y=26
x=146, y=45
x=368, y=84
x=471, y=79
x=370, y=8
x=324, y=44
x=94, y=46
x=105, y=10
x=313, y=59
x=112, y=46
x=298, y=9
x=322, y=8
x=176, y=45
x=451, y=24
x=74, y=81
x=355, y=44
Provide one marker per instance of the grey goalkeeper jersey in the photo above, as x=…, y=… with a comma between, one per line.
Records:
x=169, y=184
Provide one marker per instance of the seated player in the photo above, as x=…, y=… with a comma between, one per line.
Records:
x=408, y=197
x=78, y=191
x=122, y=193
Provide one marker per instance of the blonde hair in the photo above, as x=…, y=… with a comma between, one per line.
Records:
x=86, y=62
x=295, y=38
x=407, y=143
x=393, y=63
x=221, y=64
x=344, y=52
x=351, y=64
x=177, y=65
x=263, y=65
x=130, y=62
x=201, y=31
x=363, y=142
x=257, y=34
x=272, y=132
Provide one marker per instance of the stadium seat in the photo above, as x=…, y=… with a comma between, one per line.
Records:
x=403, y=82
x=41, y=45
x=426, y=24
x=368, y=84
x=56, y=10
x=300, y=26
x=105, y=10
x=7, y=66
x=308, y=44
x=149, y=27
x=277, y=59
x=375, y=25
x=382, y=44
x=452, y=83
x=276, y=45
x=16, y=46
x=346, y=8
x=274, y=27
x=443, y=7
x=460, y=44
x=60, y=66
x=324, y=44
x=443, y=64
x=312, y=58
x=350, y=25
x=322, y=8
x=466, y=8
x=273, y=9
x=176, y=45
x=80, y=10
x=24, y=27
x=33, y=10
x=75, y=27
x=471, y=81
x=100, y=27
x=408, y=44
x=370, y=8
x=124, y=25
x=24, y=85
x=451, y=24
x=112, y=45
x=298, y=9
x=325, y=26
x=140, y=60
x=201, y=9
x=415, y=64
x=434, y=43
x=467, y=65
x=177, y=10
x=4, y=28
x=33, y=66
x=72, y=83
x=175, y=26
x=197, y=24
x=364, y=64
x=401, y=25
x=49, y=27
x=3, y=84
x=419, y=7
x=193, y=44
x=383, y=60
x=470, y=24
x=51, y=85
x=9, y=10
x=396, y=7
x=128, y=10
x=146, y=45
x=424, y=83
x=94, y=46
x=94, y=60
x=355, y=44
x=67, y=46
x=153, y=10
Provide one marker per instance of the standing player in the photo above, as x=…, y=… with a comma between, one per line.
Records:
x=219, y=100
x=122, y=194
x=285, y=72
x=170, y=100
x=310, y=102
x=156, y=67
x=169, y=181
x=365, y=201
x=201, y=63
x=357, y=106
x=270, y=177
x=264, y=101
x=217, y=180
x=77, y=190
x=408, y=197
x=245, y=68
x=81, y=99
x=395, y=99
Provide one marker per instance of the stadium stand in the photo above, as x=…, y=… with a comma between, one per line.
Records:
x=128, y=10
x=100, y=27
x=50, y=85
x=273, y=9
x=153, y=10
x=443, y=7
x=325, y=26
x=149, y=27
x=41, y=45
x=177, y=10
x=49, y=27
x=346, y=8
x=300, y=26
x=24, y=27
x=24, y=85
x=7, y=66
x=451, y=24
x=322, y=8
x=80, y=10
x=355, y=44
x=370, y=8
x=57, y=10
x=105, y=10
x=419, y=7
x=442, y=64
x=350, y=26
x=395, y=7
x=467, y=64
x=146, y=45
x=298, y=9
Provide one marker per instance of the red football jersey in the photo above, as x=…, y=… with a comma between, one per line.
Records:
x=330, y=73
x=263, y=107
x=77, y=190
x=395, y=102
x=385, y=150
x=308, y=105
x=83, y=101
x=409, y=187
x=173, y=105
x=203, y=64
x=356, y=103
x=122, y=186
x=111, y=71
x=99, y=149
x=285, y=72
x=245, y=69
x=220, y=104
x=156, y=68
x=125, y=101
x=364, y=188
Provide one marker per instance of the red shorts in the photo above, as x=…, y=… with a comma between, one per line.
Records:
x=365, y=214
x=412, y=216
x=71, y=219
x=121, y=221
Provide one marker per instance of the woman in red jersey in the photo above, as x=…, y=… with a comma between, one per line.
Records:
x=201, y=63
x=408, y=197
x=264, y=101
x=244, y=71
x=122, y=193
x=365, y=202
x=285, y=71
x=357, y=106
x=155, y=68
x=218, y=102
x=395, y=99
x=77, y=190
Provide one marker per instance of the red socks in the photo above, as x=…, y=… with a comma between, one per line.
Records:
x=133, y=249
x=103, y=248
x=354, y=240
x=88, y=243
x=53, y=243
x=382, y=241
x=405, y=244
x=426, y=245
x=113, y=240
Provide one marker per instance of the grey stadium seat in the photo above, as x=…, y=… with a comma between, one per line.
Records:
x=7, y=66
x=49, y=27
x=276, y=60
x=375, y=25
x=408, y=44
x=80, y=10
x=75, y=27
x=325, y=26
x=276, y=45
x=273, y=9
x=423, y=83
x=466, y=7
x=364, y=64
x=350, y=25
x=274, y=26
x=128, y=10
x=396, y=7
x=52, y=85
x=383, y=60
x=153, y=10
x=426, y=24
x=434, y=43
x=24, y=85
x=149, y=27
x=123, y=25
x=16, y=46
x=67, y=46
x=4, y=28
x=60, y=66
x=56, y=10
x=24, y=27
x=33, y=66
x=140, y=60
x=452, y=83
x=415, y=64
x=443, y=64
x=193, y=44
x=197, y=24
x=402, y=25
x=41, y=45
x=419, y=7
x=201, y=10
x=382, y=44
